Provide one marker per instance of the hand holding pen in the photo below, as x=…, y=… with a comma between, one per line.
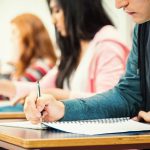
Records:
x=45, y=108
x=39, y=95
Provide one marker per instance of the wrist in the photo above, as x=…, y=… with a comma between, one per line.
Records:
x=61, y=110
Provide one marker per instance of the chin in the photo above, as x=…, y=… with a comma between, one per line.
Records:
x=63, y=35
x=141, y=21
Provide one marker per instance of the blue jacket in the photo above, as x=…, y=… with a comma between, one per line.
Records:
x=123, y=100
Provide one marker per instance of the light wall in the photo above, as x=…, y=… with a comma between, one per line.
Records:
x=11, y=8
x=121, y=20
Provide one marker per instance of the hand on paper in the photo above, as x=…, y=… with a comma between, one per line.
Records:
x=143, y=116
x=45, y=108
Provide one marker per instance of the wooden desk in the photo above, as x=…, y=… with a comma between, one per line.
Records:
x=12, y=115
x=20, y=139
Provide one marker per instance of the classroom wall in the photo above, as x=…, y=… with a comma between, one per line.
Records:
x=11, y=8
x=121, y=20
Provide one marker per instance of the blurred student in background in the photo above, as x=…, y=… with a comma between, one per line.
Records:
x=33, y=53
x=92, y=55
x=32, y=50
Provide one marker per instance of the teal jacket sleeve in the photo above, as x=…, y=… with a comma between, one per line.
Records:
x=123, y=100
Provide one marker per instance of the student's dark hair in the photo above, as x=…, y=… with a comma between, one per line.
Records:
x=83, y=19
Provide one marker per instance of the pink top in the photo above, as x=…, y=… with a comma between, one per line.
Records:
x=107, y=64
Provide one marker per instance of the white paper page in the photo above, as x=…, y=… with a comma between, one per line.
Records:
x=100, y=128
x=87, y=128
x=23, y=124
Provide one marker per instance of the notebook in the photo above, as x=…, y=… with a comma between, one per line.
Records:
x=24, y=124
x=88, y=127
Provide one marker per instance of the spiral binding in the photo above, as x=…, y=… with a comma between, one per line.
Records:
x=107, y=120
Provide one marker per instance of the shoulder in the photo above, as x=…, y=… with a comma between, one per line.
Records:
x=109, y=35
x=44, y=63
x=36, y=71
x=107, y=32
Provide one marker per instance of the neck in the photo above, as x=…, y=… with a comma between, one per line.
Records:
x=84, y=46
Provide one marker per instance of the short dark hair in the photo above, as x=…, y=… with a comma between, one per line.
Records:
x=83, y=19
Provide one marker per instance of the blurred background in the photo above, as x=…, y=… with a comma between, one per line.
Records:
x=11, y=8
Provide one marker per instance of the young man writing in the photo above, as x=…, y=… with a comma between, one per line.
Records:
x=130, y=95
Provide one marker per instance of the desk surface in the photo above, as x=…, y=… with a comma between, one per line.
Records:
x=29, y=138
x=12, y=115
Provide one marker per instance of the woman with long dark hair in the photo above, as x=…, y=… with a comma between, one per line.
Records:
x=92, y=55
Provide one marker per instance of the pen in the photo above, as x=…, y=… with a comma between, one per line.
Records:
x=38, y=89
x=39, y=92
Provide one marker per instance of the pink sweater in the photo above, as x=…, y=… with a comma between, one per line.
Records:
x=106, y=67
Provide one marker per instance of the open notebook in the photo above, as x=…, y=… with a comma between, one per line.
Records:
x=88, y=127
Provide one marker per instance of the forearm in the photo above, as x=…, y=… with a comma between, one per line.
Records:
x=59, y=94
x=7, y=88
x=23, y=89
x=106, y=105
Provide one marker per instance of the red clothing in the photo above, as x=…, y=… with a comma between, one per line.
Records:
x=36, y=71
x=33, y=73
